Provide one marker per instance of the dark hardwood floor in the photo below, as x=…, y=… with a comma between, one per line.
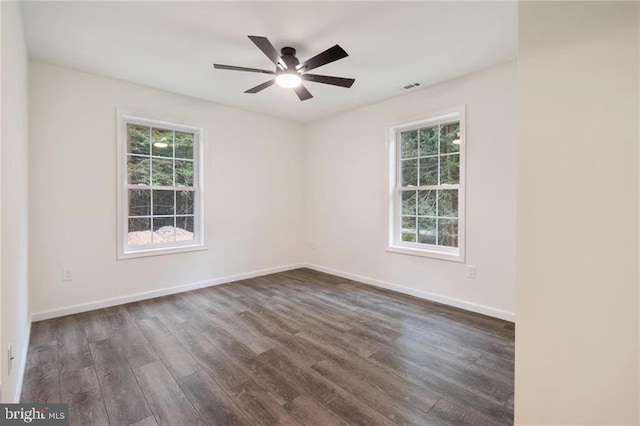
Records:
x=294, y=348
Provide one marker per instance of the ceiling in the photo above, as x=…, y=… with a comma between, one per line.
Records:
x=173, y=45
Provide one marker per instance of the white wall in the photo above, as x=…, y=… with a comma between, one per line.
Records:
x=253, y=190
x=577, y=258
x=15, y=209
x=346, y=189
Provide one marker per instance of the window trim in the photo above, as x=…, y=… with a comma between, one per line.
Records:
x=395, y=245
x=123, y=250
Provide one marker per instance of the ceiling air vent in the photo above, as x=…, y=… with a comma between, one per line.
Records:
x=411, y=86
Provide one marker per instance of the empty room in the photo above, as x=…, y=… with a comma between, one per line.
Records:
x=320, y=213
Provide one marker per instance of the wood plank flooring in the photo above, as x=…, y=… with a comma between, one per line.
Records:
x=294, y=348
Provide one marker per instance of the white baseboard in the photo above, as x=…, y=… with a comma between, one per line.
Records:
x=105, y=303
x=445, y=300
x=23, y=365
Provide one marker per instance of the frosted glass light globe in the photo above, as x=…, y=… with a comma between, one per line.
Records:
x=288, y=80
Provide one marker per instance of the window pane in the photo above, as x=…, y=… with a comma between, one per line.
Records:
x=409, y=229
x=450, y=169
x=184, y=173
x=409, y=202
x=448, y=203
x=184, y=202
x=427, y=230
x=138, y=139
x=184, y=228
x=139, y=231
x=429, y=141
x=163, y=230
x=448, y=232
x=409, y=172
x=449, y=133
x=139, y=202
x=162, y=142
x=429, y=171
x=137, y=170
x=162, y=202
x=184, y=145
x=162, y=172
x=427, y=203
x=409, y=144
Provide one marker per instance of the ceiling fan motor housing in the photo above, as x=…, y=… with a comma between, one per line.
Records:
x=289, y=57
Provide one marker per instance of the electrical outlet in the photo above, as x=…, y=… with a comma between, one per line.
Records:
x=312, y=245
x=67, y=274
x=10, y=359
x=471, y=272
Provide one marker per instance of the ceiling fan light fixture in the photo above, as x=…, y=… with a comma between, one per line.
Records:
x=289, y=71
x=288, y=80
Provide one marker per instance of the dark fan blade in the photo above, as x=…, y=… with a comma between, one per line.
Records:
x=234, y=68
x=260, y=87
x=303, y=93
x=267, y=48
x=327, y=79
x=330, y=55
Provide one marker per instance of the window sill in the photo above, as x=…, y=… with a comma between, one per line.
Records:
x=160, y=251
x=452, y=257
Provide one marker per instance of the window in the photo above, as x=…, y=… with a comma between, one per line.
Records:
x=427, y=183
x=160, y=187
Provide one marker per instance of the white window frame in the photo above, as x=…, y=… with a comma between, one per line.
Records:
x=395, y=243
x=124, y=251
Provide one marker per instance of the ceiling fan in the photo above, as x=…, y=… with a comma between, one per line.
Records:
x=290, y=72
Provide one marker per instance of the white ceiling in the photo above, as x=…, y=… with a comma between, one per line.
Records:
x=173, y=45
